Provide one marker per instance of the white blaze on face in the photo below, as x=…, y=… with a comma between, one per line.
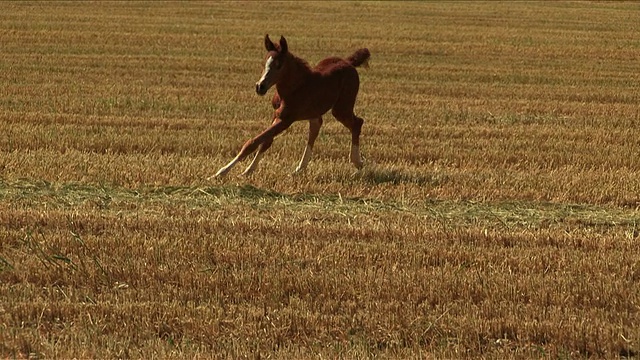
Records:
x=267, y=70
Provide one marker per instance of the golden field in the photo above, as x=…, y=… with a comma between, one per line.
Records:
x=497, y=215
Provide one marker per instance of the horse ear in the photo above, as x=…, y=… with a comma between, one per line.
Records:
x=268, y=44
x=283, y=45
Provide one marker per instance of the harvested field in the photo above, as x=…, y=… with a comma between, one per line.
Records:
x=497, y=215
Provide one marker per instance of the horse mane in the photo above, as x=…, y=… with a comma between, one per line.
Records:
x=301, y=63
x=303, y=72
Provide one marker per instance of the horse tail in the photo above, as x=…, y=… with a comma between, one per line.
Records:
x=360, y=57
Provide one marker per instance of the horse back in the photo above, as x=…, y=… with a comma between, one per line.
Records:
x=333, y=65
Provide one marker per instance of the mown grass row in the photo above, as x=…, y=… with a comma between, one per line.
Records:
x=515, y=213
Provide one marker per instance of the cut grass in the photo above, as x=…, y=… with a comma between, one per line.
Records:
x=496, y=216
x=458, y=213
x=392, y=277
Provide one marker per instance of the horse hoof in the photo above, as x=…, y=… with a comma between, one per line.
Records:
x=299, y=170
x=246, y=173
x=222, y=172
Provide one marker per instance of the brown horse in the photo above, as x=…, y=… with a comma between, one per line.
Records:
x=305, y=93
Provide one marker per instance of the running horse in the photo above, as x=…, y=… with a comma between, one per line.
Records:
x=305, y=93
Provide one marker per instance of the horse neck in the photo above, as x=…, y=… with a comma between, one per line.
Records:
x=297, y=73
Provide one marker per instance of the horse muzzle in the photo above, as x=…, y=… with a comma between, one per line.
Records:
x=261, y=89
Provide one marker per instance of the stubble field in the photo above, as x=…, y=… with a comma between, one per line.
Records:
x=497, y=215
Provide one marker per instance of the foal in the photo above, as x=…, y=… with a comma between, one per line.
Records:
x=304, y=93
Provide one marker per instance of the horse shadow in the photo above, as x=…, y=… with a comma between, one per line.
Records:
x=374, y=174
x=377, y=175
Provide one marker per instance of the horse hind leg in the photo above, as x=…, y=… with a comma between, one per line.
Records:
x=354, y=156
x=314, y=130
x=343, y=111
x=354, y=124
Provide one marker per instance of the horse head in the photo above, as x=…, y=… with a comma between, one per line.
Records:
x=274, y=64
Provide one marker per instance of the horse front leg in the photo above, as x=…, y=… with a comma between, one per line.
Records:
x=265, y=137
x=314, y=130
x=254, y=163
